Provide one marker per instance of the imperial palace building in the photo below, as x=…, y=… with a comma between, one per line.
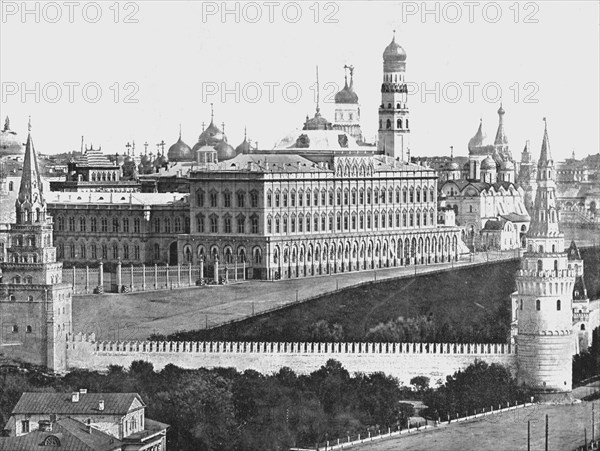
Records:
x=319, y=203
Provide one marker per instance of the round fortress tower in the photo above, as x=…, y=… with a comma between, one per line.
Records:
x=545, y=293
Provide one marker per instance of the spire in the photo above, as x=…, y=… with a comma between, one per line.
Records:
x=179, y=132
x=30, y=196
x=452, y=152
x=318, y=97
x=501, y=139
x=545, y=156
x=544, y=217
x=6, y=124
x=212, y=113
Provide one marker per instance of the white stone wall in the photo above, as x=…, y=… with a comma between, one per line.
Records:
x=401, y=360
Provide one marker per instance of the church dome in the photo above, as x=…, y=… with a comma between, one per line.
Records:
x=211, y=136
x=161, y=161
x=225, y=151
x=477, y=140
x=10, y=144
x=243, y=148
x=346, y=95
x=180, y=151
x=318, y=122
x=394, y=52
x=507, y=166
x=488, y=163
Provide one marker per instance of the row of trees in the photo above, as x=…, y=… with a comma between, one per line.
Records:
x=223, y=409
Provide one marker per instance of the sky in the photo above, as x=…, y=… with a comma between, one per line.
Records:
x=118, y=72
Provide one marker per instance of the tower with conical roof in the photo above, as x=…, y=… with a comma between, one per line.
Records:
x=394, y=129
x=501, y=140
x=347, y=108
x=527, y=177
x=35, y=305
x=544, y=297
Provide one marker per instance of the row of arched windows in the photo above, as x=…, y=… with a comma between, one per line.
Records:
x=400, y=125
x=104, y=176
x=102, y=251
x=94, y=224
x=348, y=196
x=227, y=224
x=227, y=198
x=346, y=221
x=227, y=254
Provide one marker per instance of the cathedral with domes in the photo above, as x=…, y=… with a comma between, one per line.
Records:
x=489, y=206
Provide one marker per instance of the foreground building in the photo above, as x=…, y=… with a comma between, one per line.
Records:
x=83, y=421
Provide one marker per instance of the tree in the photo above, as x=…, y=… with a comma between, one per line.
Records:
x=421, y=383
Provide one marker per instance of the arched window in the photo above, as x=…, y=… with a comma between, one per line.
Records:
x=521, y=306
x=558, y=304
x=388, y=124
x=539, y=265
x=538, y=306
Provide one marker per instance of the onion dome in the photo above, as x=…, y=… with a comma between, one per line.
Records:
x=346, y=95
x=225, y=151
x=453, y=166
x=10, y=144
x=477, y=140
x=488, y=163
x=161, y=161
x=394, y=52
x=244, y=147
x=211, y=136
x=507, y=166
x=179, y=151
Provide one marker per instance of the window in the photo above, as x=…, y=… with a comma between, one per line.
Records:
x=227, y=200
x=200, y=198
x=167, y=225
x=277, y=199
x=285, y=198
x=339, y=222
x=293, y=199
x=82, y=251
x=104, y=252
x=93, y=225
x=115, y=225
x=353, y=222
x=115, y=251
x=136, y=225
x=404, y=195
x=200, y=223
x=214, y=226
x=254, y=199
x=136, y=252
x=94, y=251
x=156, y=251
x=82, y=224
x=301, y=198
x=285, y=224
x=15, y=329
x=315, y=198
x=308, y=223
x=24, y=426
x=376, y=196
x=353, y=197
x=411, y=195
x=29, y=329
x=71, y=224
x=339, y=197
x=331, y=223
x=323, y=195
x=330, y=197
x=346, y=222
x=72, y=251
x=213, y=199
x=369, y=196
x=177, y=222
x=254, y=222
x=269, y=225
x=269, y=199
x=361, y=197
x=293, y=224
x=346, y=197
x=126, y=225
x=538, y=306
x=60, y=223
x=125, y=252
x=521, y=305
x=241, y=223
x=157, y=224
x=558, y=304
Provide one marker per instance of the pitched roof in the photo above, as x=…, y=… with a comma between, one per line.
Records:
x=71, y=434
x=60, y=403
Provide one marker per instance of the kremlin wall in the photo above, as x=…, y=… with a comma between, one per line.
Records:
x=401, y=360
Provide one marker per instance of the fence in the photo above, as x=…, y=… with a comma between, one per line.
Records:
x=149, y=278
x=350, y=441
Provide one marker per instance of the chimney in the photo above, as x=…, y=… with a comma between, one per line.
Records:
x=101, y=405
x=75, y=396
x=83, y=391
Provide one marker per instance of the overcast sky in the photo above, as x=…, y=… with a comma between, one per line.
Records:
x=160, y=64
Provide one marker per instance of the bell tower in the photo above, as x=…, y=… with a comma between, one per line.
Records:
x=394, y=130
x=544, y=297
x=35, y=305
